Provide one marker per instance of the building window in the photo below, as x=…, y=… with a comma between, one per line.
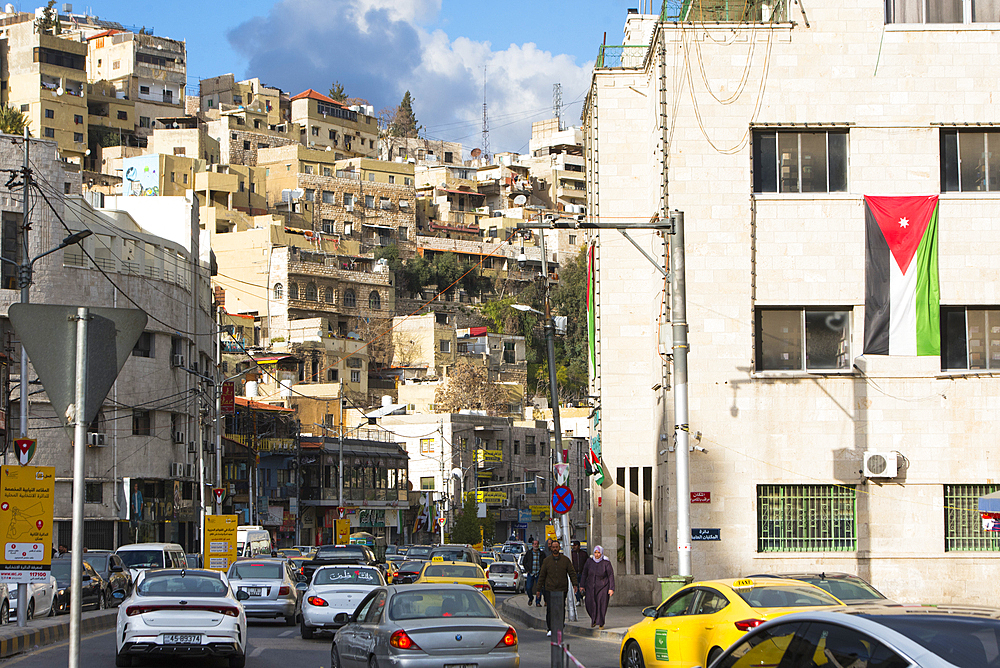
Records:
x=78, y=137
x=407, y=181
x=144, y=122
x=327, y=172
x=355, y=376
x=970, y=338
x=348, y=199
x=141, y=423
x=93, y=492
x=49, y=132
x=77, y=119
x=315, y=131
x=795, y=339
x=329, y=197
x=572, y=240
x=441, y=318
x=970, y=161
x=350, y=299
x=799, y=162
x=529, y=445
x=310, y=195
x=374, y=300
x=278, y=291
x=144, y=90
x=427, y=484
x=401, y=233
x=392, y=178
x=144, y=346
x=806, y=518
x=115, y=64
x=293, y=291
x=25, y=108
x=426, y=446
x=311, y=295
x=348, y=228
x=50, y=113
x=328, y=297
x=329, y=226
x=939, y=11
x=517, y=446
x=332, y=375
x=369, y=201
x=445, y=345
x=448, y=157
x=963, y=529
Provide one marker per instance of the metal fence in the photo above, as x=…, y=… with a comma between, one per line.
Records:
x=725, y=11
x=628, y=56
x=963, y=529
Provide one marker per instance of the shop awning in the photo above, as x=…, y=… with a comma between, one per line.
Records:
x=462, y=192
x=990, y=503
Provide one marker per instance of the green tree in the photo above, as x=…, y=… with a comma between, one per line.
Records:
x=49, y=20
x=337, y=92
x=569, y=298
x=12, y=121
x=466, y=529
x=404, y=122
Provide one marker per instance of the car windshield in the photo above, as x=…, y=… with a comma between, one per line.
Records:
x=846, y=589
x=965, y=642
x=786, y=596
x=61, y=571
x=142, y=558
x=250, y=571
x=182, y=584
x=451, y=555
x=290, y=552
x=499, y=567
x=442, y=603
x=419, y=551
x=452, y=571
x=366, y=576
x=410, y=567
x=99, y=562
x=339, y=552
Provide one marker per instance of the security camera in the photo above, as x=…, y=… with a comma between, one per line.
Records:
x=522, y=259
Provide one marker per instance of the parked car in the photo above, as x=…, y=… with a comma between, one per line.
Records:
x=875, y=636
x=848, y=588
x=41, y=596
x=110, y=567
x=141, y=556
x=695, y=625
x=182, y=612
x=95, y=588
x=419, y=626
x=333, y=590
x=270, y=586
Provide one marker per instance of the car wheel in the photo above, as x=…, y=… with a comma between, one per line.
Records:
x=122, y=660
x=713, y=654
x=632, y=656
x=372, y=662
x=31, y=610
x=237, y=661
x=5, y=614
x=306, y=630
x=334, y=657
x=290, y=620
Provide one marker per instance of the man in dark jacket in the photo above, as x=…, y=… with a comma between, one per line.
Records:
x=556, y=568
x=531, y=564
x=579, y=558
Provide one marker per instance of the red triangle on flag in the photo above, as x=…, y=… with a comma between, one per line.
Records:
x=903, y=221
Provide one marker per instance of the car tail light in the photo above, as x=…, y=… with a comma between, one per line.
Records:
x=747, y=624
x=283, y=591
x=227, y=610
x=134, y=610
x=400, y=640
x=509, y=639
x=317, y=601
x=482, y=587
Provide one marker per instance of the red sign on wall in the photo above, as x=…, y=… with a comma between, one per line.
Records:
x=701, y=497
x=228, y=397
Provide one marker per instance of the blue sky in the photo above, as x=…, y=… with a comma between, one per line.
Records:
x=436, y=49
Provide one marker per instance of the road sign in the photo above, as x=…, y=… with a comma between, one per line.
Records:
x=26, y=494
x=441, y=521
x=228, y=397
x=340, y=513
x=701, y=497
x=25, y=449
x=48, y=334
x=706, y=534
x=220, y=541
x=550, y=532
x=562, y=500
x=219, y=493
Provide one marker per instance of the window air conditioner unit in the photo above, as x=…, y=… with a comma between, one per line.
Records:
x=176, y=469
x=232, y=488
x=523, y=497
x=881, y=465
x=177, y=360
x=95, y=439
x=349, y=207
x=191, y=448
x=189, y=470
x=179, y=437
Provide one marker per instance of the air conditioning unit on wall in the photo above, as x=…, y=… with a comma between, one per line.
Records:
x=96, y=439
x=881, y=465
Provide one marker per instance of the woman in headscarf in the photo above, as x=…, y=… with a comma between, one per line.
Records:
x=598, y=580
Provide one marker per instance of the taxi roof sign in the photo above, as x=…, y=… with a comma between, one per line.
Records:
x=743, y=584
x=437, y=559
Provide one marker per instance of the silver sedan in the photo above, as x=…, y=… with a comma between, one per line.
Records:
x=270, y=588
x=424, y=627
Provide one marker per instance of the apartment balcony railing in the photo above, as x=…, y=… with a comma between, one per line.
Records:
x=725, y=11
x=628, y=56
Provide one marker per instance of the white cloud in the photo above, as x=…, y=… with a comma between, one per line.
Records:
x=379, y=49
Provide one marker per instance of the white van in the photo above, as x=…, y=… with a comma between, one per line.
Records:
x=252, y=541
x=140, y=556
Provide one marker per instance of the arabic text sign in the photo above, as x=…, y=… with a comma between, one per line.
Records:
x=220, y=541
x=26, y=494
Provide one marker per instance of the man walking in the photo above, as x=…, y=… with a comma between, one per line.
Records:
x=531, y=564
x=579, y=559
x=556, y=568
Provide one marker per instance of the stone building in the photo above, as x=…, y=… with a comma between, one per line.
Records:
x=769, y=157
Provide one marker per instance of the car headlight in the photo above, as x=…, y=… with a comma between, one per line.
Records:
x=62, y=592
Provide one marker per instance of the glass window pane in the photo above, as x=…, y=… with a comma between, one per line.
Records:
x=993, y=338
x=986, y=11
x=976, y=321
x=814, y=162
x=842, y=647
x=827, y=337
x=949, y=161
x=765, y=648
x=765, y=162
x=944, y=11
x=993, y=160
x=779, y=345
x=788, y=152
x=905, y=11
x=837, y=150
x=972, y=160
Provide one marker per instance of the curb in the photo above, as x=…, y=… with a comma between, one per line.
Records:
x=516, y=615
x=14, y=640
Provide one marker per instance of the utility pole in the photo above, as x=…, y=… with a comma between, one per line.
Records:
x=79, y=449
x=298, y=479
x=24, y=278
x=678, y=320
x=219, y=419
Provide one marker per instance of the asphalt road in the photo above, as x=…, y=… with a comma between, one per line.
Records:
x=272, y=644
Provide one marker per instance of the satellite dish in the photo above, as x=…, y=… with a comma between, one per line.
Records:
x=60, y=91
x=476, y=152
x=520, y=200
x=329, y=148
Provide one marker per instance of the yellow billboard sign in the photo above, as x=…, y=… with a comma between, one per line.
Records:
x=489, y=457
x=490, y=497
x=220, y=541
x=343, y=529
x=26, y=497
x=550, y=532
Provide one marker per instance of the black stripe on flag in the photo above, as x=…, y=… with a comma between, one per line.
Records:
x=877, y=259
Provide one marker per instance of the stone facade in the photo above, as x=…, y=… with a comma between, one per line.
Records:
x=898, y=91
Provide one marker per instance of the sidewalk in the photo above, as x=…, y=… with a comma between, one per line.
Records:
x=517, y=611
x=50, y=630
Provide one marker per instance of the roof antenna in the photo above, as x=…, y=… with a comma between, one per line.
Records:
x=486, y=124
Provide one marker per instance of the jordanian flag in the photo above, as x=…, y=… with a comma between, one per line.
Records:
x=902, y=296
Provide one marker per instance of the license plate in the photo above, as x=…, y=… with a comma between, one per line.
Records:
x=255, y=591
x=461, y=665
x=182, y=639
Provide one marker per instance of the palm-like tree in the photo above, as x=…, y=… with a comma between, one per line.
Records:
x=12, y=121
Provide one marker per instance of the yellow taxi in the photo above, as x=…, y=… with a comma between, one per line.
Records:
x=456, y=572
x=694, y=626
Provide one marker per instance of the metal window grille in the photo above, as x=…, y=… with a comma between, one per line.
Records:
x=806, y=518
x=963, y=529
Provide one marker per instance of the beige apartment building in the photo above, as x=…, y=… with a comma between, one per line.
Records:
x=242, y=132
x=350, y=132
x=223, y=93
x=768, y=152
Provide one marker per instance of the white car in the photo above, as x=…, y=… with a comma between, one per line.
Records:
x=506, y=575
x=332, y=590
x=41, y=596
x=182, y=612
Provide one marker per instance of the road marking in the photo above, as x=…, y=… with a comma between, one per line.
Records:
x=285, y=634
x=256, y=652
x=30, y=653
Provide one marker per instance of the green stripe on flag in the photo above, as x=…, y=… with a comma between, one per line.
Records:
x=928, y=291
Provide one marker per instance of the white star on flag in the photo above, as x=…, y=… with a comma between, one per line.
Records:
x=904, y=222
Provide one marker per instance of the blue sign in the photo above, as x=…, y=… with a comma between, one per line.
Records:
x=524, y=516
x=562, y=500
x=521, y=525
x=706, y=534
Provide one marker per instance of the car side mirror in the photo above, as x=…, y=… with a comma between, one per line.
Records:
x=301, y=586
x=242, y=595
x=649, y=612
x=342, y=618
x=118, y=594
x=115, y=568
